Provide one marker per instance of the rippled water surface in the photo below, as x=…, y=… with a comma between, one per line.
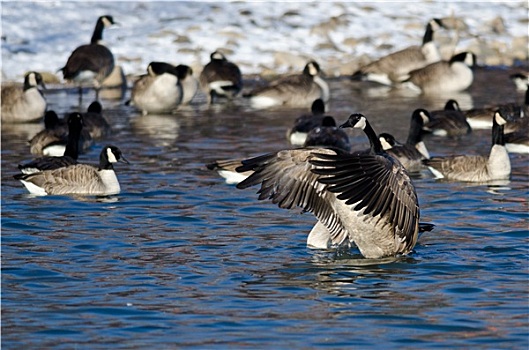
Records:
x=181, y=259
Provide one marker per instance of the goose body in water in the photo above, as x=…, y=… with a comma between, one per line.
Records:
x=474, y=168
x=81, y=179
x=75, y=125
x=23, y=104
x=362, y=198
x=220, y=78
x=306, y=122
x=159, y=91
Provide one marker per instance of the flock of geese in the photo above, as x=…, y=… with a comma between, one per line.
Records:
x=363, y=198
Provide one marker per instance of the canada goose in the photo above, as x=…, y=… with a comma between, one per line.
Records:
x=390, y=69
x=419, y=117
x=24, y=104
x=94, y=122
x=188, y=81
x=90, y=64
x=77, y=179
x=365, y=198
x=443, y=76
x=75, y=125
x=520, y=80
x=53, y=139
x=407, y=155
x=159, y=91
x=449, y=121
x=496, y=166
x=328, y=135
x=306, y=122
x=514, y=113
x=298, y=90
x=220, y=78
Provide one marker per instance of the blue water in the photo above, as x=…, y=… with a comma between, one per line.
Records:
x=180, y=259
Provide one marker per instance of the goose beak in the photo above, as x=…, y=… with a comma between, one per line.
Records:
x=123, y=160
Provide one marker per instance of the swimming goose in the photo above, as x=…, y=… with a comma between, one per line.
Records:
x=220, y=78
x=306, y=122
x=53, y=139
x=470, y=168
x=390, y=69
x=94, y=122
x=450, y=121
x=81, y=179
x=443, y=76
x=365, y=198
x=90, y=64
x=407, y=155
x=419, y=117
x=514, y=113
x=75, y=125
x=328, y=135
x=24, y=104
x=159, y=91
x=298, y=90
x=188, y=82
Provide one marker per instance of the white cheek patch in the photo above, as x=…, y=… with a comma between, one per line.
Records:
x=499, y=119
x=106, y=22
x=385, y=144
x=361, y=124
x=312, y=70
x=111, y=156
x=32, y=79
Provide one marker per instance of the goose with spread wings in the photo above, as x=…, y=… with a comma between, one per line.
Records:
x=364, y=198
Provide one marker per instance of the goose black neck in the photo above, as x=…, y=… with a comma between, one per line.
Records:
x=526, y=101
x=415, y=133
x=98, y=32
x=104, y=164
x=498, y=136
x=72, y=146
x=376, y=146
x=428, y=35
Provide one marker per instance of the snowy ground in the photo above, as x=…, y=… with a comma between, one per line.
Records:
x=259, y=36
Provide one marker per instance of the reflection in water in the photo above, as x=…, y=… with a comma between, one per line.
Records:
x=162, y=129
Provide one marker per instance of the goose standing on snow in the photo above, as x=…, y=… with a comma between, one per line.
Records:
x=496, y=166
x=306, y=122
x=26, y=104
x=443, y=76
x=363, y=198
x=159, y=91
x=90, y=64
x=220, y=78
x=450, y=121
x=390, y=69
x=80, y=179
x=75, y=125
x=298, y=90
